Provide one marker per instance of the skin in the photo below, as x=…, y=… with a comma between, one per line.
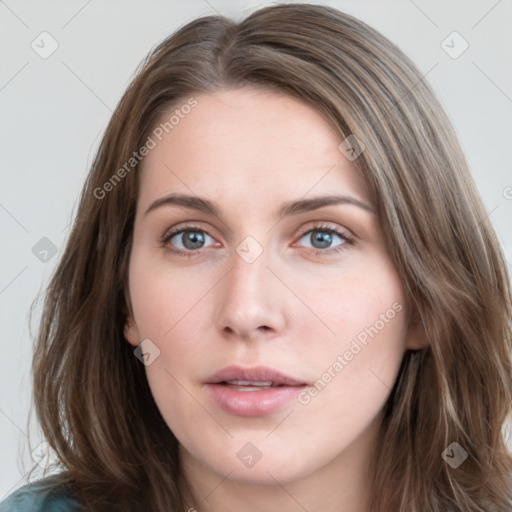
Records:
x=295, y=308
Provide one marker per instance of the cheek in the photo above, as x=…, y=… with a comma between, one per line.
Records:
x=164, y=302
x=357, y=362
x=174, y=313
x=363, y=304
x=172, y=324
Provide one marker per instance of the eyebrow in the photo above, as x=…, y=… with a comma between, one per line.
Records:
x=287, y=208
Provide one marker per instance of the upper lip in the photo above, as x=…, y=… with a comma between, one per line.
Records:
x=254, y=374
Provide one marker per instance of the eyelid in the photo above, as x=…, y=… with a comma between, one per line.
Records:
x=186, y=226
x=327, y=226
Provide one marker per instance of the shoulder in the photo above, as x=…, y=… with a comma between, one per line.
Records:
x=50, y=494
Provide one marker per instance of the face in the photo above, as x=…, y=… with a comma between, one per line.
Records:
x=274, y=322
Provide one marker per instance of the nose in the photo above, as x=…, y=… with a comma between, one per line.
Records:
x=252, y=301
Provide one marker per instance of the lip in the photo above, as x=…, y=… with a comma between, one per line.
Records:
x=252, y=403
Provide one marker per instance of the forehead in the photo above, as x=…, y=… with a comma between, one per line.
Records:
x=248, y=144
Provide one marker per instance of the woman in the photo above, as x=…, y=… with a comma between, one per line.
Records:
x=280, y=291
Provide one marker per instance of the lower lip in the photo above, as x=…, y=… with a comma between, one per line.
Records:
x=252, y=403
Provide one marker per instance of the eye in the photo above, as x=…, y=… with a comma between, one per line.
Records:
x=326, y=239
x=186, y=240
x=191, y=240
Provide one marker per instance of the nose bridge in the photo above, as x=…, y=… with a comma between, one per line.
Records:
x=248, y=278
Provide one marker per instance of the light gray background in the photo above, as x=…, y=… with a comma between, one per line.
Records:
x=54, y=110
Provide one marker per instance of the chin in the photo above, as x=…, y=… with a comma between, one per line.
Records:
x=263, y=464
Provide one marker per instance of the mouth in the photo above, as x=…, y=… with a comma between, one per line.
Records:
x=246, y=385
x=252, y=392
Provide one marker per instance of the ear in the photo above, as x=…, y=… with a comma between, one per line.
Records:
x=416, y=335
x=131, y=332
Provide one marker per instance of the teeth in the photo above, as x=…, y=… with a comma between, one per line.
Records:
x=265, y=383
x=253, y=388
x=249, y=385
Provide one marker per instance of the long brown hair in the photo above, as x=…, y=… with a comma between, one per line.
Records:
x=91, y=392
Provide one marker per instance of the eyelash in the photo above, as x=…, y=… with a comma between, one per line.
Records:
x=168, y=235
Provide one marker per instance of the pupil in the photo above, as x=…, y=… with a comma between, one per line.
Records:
x=193, y=240
x=323, y=238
